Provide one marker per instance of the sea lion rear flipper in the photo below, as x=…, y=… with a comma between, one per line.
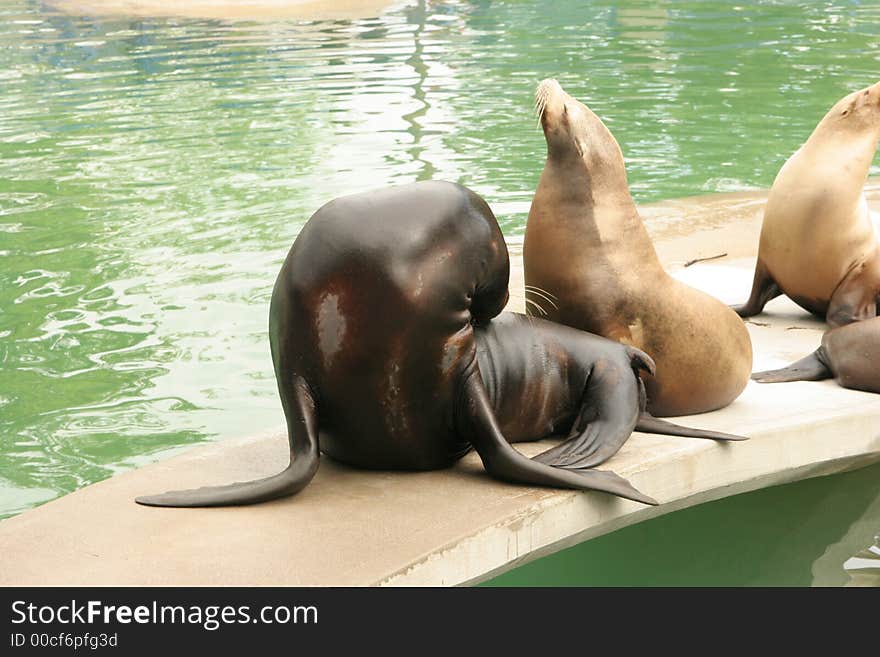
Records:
x=502, y=461
x=811, y=368
x=649, y=424
x=302, y=431
x=764, y=288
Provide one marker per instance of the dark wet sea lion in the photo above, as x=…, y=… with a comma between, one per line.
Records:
x=850, y=354
x=590, y=264
x=372, y=332
x=818, y=244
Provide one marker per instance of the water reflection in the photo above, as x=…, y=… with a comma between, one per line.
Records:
x=154, y=172
x=797, y=534
x=837, y=566
x=864, y=568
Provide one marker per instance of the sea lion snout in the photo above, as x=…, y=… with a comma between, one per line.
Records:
x=547, y=88
x=858, y=110
x=572, y=130
x=869, y=96
x=550, y=104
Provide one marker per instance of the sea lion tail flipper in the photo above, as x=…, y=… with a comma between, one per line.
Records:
x=302, y=428
x=502, y=461
x=764, y=288
x=649, y=424
x=811, y=368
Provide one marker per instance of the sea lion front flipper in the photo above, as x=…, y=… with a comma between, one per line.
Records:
x=811, y=368
x=649, y=424
x=855, y=297
x=764, y=289
x=302, y=429
x=502, y=461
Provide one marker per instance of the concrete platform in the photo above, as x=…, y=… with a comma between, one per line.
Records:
x=458, y=526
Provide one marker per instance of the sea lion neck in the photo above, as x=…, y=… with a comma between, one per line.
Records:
x=591, y=196
x=836, y=134
x=840, y=152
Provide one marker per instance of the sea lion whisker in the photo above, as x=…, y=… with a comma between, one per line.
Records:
x=536, y=305
x=540, y=102
x=542, y=296
x=550, y=301
x=539, y=111
x=542, y=290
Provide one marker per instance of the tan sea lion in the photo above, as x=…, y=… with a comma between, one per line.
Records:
x=850, y=354
x=590, y=264
x=818, y=244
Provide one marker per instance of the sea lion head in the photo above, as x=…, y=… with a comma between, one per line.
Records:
x=857, y=112
x=571, y=129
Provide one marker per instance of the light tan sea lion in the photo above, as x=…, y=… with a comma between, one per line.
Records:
x=818, y=244
x=590, y=264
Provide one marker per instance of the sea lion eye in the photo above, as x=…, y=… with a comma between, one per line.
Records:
x=845, y=112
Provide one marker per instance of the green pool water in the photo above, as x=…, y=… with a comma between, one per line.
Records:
x=799, y=534
x=153, y=174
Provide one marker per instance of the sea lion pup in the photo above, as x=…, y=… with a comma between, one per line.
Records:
x=818, y=244
x=590, y=264
x=372, y=330
x=850, y=354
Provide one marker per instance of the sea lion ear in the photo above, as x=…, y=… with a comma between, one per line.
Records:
x=641, y=361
